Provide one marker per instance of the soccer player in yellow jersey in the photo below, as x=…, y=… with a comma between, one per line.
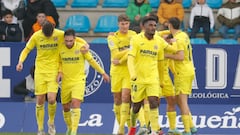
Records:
x=118, y=44
x=145, y=64
x=46, y=41
x=184, y=71
x=168, y=90
x=72, y=74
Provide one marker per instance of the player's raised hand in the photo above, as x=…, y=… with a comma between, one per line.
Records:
x=106, y=78
x=19, y=66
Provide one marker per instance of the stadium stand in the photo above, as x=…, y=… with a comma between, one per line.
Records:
x=115, y=3
x=80, y=23
x=106, y=23
x=84, y=3
x=187, y=3
x=60, y=3
x=154, y=3
x=200, y=30
x=215, y=4
x=99, y=41
x=198, y=41
x=94, y=13
x=227, y=42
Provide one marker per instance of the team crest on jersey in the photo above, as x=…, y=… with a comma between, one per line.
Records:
x=77, y=51
x=55, y=38
x=155, y=47
x=94, y=79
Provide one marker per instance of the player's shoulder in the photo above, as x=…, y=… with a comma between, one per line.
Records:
x=80, y=40
x=58, y=31
x=131, y=32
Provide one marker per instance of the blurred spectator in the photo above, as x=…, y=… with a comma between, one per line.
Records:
x=16, y=6
x=41, y=17
x=229, y=16
x=9, y=31
x=201, y=16
x=168, y=9
x=33, y=7
x=26, y=87
x=136, y=10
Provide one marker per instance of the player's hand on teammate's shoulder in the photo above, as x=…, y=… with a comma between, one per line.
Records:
x=106, y=78
x=19, y=66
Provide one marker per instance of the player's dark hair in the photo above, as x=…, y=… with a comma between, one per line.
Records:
x=148, y=18
x=47, y=28
x=154, y=14
x=175, y=22
x=123, y=17
x=69, y=32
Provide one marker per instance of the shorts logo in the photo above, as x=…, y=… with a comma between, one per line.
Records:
x=94, y=79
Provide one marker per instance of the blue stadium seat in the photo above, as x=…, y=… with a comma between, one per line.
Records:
x=198, y=41
x=84, y=3
x=78, y=22
x=201, y=30
x=115, y=3
x=214, y=3
x=99, y=41
x=106, y=23
x=154, y=3
x=187, y=3
x=231, y=31
x=59, y=3
x=227, y=42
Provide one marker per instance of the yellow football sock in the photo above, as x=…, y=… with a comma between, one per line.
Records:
x=186, y=123
x=191, y=121
x=51, y=112
x=172, y=120
x=141, y=117
x=76, y=114
x=146, y=113
x=40, y=116
x=116, y=110
x=153, y=115
x=125, y=107
x=133, y=119
x=67, y=119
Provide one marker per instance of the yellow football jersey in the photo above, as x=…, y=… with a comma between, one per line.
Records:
x=185, y=67
x=147, y=53
x=47, y=50
x=118, y=43
x=73, y=62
